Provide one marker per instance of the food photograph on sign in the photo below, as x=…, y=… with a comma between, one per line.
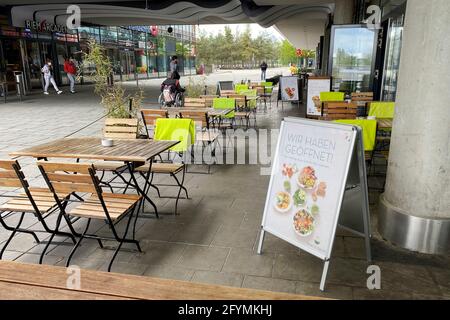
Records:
x=300, y=197
x=289, y=89
x=307, y=185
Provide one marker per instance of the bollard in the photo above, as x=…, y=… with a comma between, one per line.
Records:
x=20, y=87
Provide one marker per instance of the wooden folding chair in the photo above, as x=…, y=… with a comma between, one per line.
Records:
x=207, y=137
x=165, y=130
x=109, y=207
x=209, y=100
x=362, y=99
x=195, y=103
x=242, y=113
x=116, y=129
x=37, y=201
x=339, y=110
x=149, y=117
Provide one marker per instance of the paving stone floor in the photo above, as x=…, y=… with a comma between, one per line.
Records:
x=213, y=240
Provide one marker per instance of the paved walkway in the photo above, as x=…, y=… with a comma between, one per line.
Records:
x=213, y=239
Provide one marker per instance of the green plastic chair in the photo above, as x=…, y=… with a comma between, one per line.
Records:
x=225, y=103
x=382, y=110
x=369, y=131
x=239, y=87
x=332, y=96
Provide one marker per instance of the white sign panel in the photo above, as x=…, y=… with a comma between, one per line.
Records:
x=289, y=89
x=315, y=87
x=308, y=183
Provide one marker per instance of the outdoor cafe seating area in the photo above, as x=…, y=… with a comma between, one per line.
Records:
x=115, y=179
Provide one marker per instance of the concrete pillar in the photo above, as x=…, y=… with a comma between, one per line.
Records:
x=343, y=13
x=415, y=208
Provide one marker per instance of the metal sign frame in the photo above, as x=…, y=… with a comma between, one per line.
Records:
x=354, y=196
x=279, y=97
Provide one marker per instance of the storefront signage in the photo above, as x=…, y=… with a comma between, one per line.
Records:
x=308, y=183
x=44, y=26
x=316, y=85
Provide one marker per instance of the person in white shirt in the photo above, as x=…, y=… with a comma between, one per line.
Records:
x=47, y=70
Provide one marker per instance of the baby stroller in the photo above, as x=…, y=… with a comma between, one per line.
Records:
x=172, y=95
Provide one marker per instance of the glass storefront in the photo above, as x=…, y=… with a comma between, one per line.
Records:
x=142, y=52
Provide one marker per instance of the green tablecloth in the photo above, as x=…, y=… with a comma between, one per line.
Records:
x=170, y=129
x=369, y=131
x=240, y=87
x=268, y=87
x=332, y=96
x=225, y=103
x=382, y=110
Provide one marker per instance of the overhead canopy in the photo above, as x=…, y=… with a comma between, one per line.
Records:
x=114, y=12
x=298, y=18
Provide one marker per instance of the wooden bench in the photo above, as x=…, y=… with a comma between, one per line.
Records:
x=339, y=110
x=33, y=281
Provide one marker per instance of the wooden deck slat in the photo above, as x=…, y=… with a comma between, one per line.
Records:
x=18, y=291
x=126, y=286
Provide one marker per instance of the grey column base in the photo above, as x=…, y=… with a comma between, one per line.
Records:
x=429, y=236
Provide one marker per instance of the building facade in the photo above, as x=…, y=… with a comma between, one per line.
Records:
x=136, y=52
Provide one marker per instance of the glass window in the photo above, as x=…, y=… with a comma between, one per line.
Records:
x=89, y=32
x=170, y=45
x=392, y=62
x=125, y=37
x=352, y=58
x=152, y=63
x=108, y=35
x=34, y=63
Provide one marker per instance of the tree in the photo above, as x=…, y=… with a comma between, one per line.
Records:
x=230, y=49
x=288, y=53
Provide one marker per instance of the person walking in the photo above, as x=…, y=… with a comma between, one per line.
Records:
x=71, y=70
x=47, y=70
x=263, y=67
x=174, y=68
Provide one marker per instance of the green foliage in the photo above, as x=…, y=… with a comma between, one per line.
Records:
x=114, y=97
x=288, y=53
x=196, y=87
x=241, y=49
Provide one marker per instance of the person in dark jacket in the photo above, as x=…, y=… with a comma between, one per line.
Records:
x=174, y=69
x=263, y=67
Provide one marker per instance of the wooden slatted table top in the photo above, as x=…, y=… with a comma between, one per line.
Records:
x=136, y=150
x=33, y=281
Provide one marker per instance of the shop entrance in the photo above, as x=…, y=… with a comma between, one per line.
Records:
x=35, y=63
x=128, y=64
x=11, y=61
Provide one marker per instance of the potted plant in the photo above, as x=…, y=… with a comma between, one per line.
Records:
x=118, y=104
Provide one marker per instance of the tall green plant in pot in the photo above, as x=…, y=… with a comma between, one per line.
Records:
x=114, y=97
